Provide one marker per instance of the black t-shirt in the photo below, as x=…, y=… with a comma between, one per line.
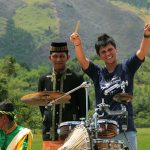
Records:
x=108, y=84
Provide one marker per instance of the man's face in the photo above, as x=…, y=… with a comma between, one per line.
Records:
x=108, y=54
x=59, y=60
x=2, y=121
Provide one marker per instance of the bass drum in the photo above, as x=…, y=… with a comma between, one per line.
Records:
x=78, y=139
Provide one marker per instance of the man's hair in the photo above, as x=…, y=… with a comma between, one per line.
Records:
x=102, y=41
x=7, y=108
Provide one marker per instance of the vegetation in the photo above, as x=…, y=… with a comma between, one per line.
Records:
x=140, y=8
x=37, y=18
x=143, y=135
x=37, y=140
x=30, y=28
x=17, y=80
x=137, y=3
x=3, y=24
x=142, y=95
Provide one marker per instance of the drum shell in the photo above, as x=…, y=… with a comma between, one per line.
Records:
x=107, y=128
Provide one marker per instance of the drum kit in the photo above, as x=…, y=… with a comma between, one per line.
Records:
x=87, y=134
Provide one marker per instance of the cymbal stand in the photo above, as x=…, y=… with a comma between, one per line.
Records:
x=95, y=126
x=65, y=94
x=85, y=85
x=87, y=93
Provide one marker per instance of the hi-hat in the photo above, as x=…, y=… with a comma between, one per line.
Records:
x=123, y=97
x=45, y=97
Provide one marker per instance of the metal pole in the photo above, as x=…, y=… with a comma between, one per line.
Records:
x=87, y=93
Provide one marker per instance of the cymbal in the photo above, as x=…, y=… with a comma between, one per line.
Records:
x=123, y=97
x=45, y=97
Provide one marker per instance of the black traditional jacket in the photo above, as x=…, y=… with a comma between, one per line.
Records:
x=73, y=111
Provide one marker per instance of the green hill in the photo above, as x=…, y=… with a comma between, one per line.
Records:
x=28, y=27
x=32, y=25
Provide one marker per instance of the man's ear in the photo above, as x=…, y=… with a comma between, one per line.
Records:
x=99, y=56
x=68, y=57
x=5, y=118
x=49, y=57
x=116, y=50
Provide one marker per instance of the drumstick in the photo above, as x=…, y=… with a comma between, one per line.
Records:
x=77, y=27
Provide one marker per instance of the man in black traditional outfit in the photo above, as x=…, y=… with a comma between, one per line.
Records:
x=61, y=79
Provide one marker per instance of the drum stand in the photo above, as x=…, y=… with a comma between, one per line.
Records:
x=95, y=127
x=124, y=113
x=105, y=108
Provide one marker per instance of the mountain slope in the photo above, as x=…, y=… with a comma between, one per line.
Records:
x=8, y=7
x=28, y=27
x=96, y=17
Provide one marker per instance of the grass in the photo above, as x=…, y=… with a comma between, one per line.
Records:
x=37, y=141
x=143, y=136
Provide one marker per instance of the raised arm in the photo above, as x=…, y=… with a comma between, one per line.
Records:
x=82, y=59
x=145, y=43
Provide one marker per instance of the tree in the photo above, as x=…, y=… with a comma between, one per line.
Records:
x=3, y=88
x=8, y=67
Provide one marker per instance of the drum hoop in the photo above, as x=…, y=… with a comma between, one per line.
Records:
x=101, y=140
x=117, y=141
x=108, y=121
x=69, y=123
x=108, y=141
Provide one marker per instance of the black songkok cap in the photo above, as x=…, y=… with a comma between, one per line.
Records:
x=58, y=47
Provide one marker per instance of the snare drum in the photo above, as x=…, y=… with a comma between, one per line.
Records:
x=65, y=128
x=107, y=128
x=105, y=144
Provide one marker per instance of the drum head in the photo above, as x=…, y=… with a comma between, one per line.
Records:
x=101, y=121
x=67, y=123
